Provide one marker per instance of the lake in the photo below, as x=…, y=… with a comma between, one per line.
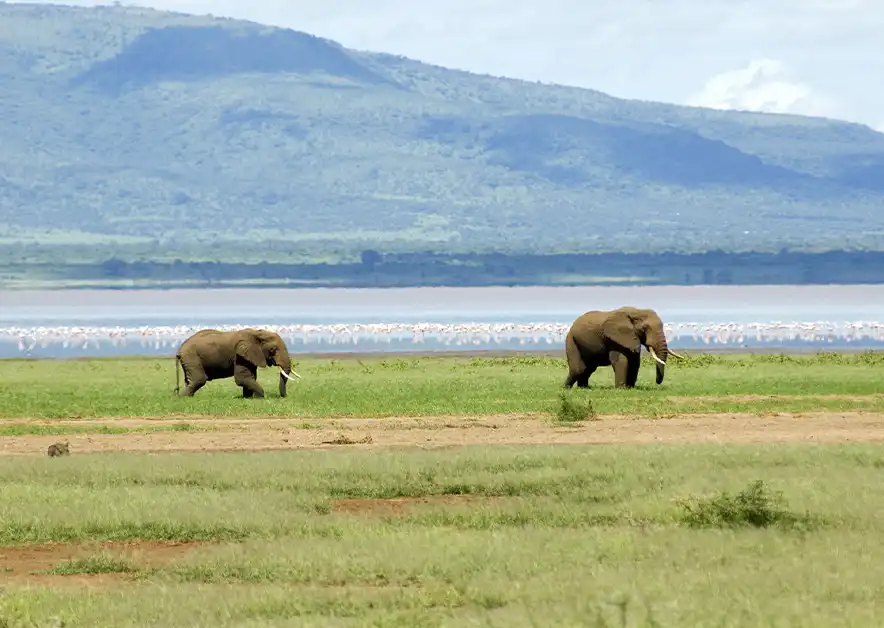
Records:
x=73, y=323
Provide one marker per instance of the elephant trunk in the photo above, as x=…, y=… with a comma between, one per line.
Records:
x=284, y=362
x=660, y=352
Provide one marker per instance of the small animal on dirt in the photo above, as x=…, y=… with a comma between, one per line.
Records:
x=212, y=354
x=614, y=338
x=58, y=449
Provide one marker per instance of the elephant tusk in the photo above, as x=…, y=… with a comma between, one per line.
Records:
x=654, y=355
x=675, y=355
x=286, y=375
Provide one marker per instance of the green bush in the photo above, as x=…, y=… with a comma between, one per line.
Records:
x=574, y=408
x=755, y=506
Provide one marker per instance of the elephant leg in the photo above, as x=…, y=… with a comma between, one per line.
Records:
x=625, y=369
x=620, y=365
x=583, y=380
x=247, y=378
x=194, y=378
x=576, y=365
x=633, y=363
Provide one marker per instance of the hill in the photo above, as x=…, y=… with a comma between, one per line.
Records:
x=128, y=125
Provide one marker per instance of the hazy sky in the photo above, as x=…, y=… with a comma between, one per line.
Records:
x=823, y=57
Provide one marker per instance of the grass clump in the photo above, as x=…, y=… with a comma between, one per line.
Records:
x=574, y=408
x=755, y=506
x=94, y=564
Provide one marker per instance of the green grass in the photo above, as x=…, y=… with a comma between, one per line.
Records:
x=94, y=564
x=676, y=535
x=41, y=429
x=786, y=535
x=443, y=386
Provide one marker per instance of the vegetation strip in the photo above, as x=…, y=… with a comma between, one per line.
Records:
x=443, y=386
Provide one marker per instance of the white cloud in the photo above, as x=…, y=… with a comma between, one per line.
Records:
x=762, y=85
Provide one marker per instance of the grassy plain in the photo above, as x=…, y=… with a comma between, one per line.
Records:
x=437, y=386
x=521, y=533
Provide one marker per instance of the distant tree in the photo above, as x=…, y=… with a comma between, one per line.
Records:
x=370, y=258
x=113, y=267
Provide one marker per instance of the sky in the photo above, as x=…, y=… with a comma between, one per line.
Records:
x=813, y=57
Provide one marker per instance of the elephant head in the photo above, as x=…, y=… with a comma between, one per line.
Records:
x=632, y=327
x=266, y=348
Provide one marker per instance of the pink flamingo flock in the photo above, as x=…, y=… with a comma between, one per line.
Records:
x=455, y=334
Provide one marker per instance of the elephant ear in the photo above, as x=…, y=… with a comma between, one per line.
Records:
x=249, y=349
x=620, y=328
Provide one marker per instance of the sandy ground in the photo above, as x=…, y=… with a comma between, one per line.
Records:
x=260, y=434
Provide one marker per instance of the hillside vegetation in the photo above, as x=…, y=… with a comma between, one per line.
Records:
x=124, y=125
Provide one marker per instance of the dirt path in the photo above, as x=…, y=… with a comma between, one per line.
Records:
x=430, y=432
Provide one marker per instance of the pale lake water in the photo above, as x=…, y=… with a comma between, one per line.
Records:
x=75, y=323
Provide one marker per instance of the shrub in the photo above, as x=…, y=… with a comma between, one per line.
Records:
x=574, y=408
x=755, y=506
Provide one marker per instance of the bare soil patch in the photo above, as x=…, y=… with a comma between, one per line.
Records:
x=431, y=432
x=401, y=505
x=28, y=563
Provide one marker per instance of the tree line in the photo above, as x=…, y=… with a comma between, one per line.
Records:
x=375, y=268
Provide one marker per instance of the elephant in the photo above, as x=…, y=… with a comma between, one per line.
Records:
x=212, y=354
x=615, y=338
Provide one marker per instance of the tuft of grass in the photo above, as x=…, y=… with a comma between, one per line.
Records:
x=755, y=506
x=574, y=408
x=94, y=564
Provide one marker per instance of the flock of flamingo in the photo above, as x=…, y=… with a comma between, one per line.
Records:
x=456, y=334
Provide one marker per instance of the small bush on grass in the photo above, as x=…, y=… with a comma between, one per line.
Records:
x=754, y=506
x=574, y=408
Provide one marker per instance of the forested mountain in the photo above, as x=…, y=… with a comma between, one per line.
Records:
x=131, y=125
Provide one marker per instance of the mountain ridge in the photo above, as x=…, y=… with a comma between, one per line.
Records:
x=134, y=124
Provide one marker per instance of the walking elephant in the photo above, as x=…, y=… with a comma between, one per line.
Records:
x=615, y=338
x=211, y=354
